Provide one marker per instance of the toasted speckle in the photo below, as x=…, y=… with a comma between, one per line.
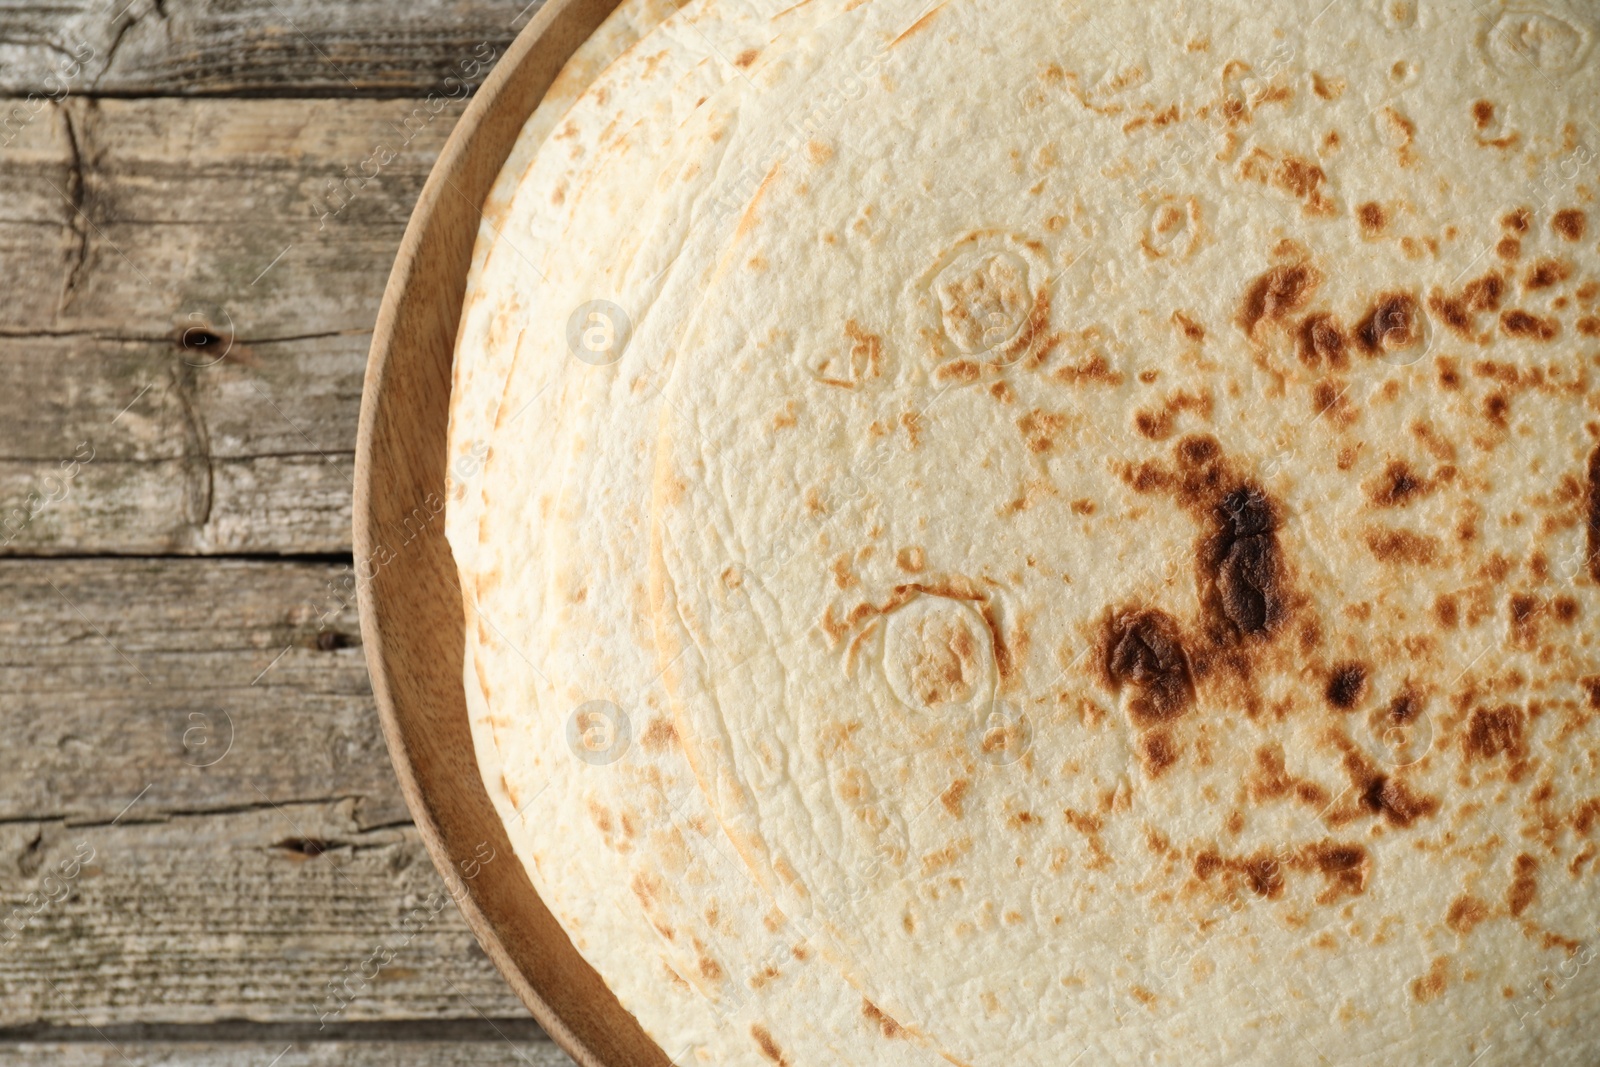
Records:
x=1277, y=293
x=1157, y=751
x=1524, y=886
x=1401, y=546
x=1570, y=224
x=1347, y=684
x=1431, y=986
x=1372, y=218
x=1492, y=733
x=768, y=1047
x=1465, y=913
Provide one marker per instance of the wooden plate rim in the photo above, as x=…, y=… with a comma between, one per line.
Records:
x=420, y=312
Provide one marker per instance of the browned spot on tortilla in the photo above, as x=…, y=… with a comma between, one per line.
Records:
x=1398, y=486
x=1143, y=649
x=660, y=734
x=1517, y=221
x=1458, y=311
x=1094, y=369
x=1281, y=290
x=1447, y=611
x=1405, y=135
x=1327, y=396
x=1465, y=913
x=963, y=370
x=1525, y=610
x=1485, y=293
x=1400, y=546
x=710, y=969
x=1431, y=986
x=1188, y=327
x=1390, y=798
x=1593, y=492
x=1303, y=180
x=1570, y=224
x=1344, y=866
x=1157, y=751
x=1039, y=429
x=1394, y=322
x=1547, y=272
x=1497, y=408
x=1449, y=372
x=747, y=57
x=1083, y=507
x=1372, y=218
x=1002, y=392
x=1347, y=684
x=1264, y=875
x=1508, y=248
x=953, y=798
x=1327, y=88
x=1524, y=885
x=912, y=423
x=1520, y=323
x=768, y=1047
x=1321, y=340
x=1482, y=114
x=874, y=1014
x=1565, y=609
x=1588, y=326
x=1242, y=563
x=1273, y=781
x=911, y=559
x=1496, y=732
x=1158, y=425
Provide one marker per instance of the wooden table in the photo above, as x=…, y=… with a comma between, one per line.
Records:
x=204, y=857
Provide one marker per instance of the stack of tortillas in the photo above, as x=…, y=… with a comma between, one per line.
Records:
x=1045, y=532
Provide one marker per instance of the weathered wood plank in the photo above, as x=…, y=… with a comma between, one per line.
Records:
x=144, y=213
x=279, y=47
x=287, y=912
x=144, y=447
x=324, y=1054
x=192, y=304
x=200, y=684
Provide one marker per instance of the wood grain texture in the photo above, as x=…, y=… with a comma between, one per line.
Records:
x=279, y=47
x=202, y=684
x=284, y=912
x=325, y=1054
x=198, y=281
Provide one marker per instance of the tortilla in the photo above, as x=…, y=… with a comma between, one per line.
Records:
x=1106, y=503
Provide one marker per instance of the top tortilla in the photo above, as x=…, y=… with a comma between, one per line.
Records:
x=1112, y=532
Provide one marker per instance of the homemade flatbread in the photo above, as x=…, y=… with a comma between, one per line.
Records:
x=1021, y=532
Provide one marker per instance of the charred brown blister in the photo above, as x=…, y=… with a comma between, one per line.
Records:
x=1143, y=649
x=1277, y=293
x=1347, y=684
x=1244, y=563
x=1321, y=341
x=1393, y=323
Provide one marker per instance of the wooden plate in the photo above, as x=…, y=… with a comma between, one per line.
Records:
x=411, y=615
